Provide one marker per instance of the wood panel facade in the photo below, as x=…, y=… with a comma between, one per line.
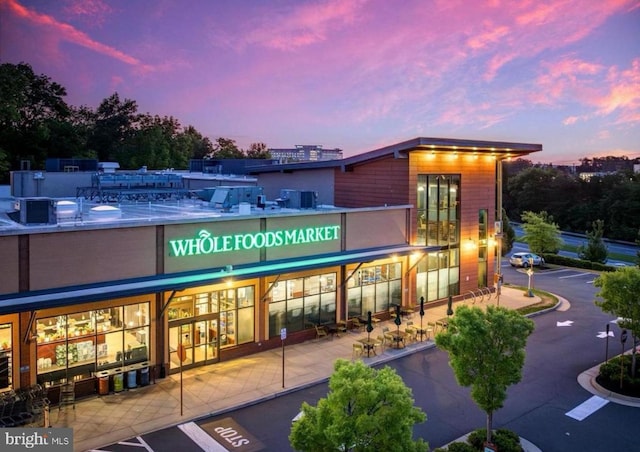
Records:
x=376, y=183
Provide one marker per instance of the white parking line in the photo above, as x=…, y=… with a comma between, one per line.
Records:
x=575, y=276
x=587, y=408
x=201, y=438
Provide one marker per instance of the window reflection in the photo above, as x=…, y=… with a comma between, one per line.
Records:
x=300, y=303
x=76, y=345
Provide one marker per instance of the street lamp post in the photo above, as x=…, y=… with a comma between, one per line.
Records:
x=623, y=339
x=530, y=273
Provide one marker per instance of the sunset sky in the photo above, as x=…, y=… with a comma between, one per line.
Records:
x=351, y=74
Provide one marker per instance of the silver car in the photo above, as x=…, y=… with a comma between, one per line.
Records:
x=525, y=260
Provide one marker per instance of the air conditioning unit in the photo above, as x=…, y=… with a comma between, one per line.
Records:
x=308, y=199
x=295, y=199
x=36, y=210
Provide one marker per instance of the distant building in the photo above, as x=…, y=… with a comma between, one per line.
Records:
x=305, y=153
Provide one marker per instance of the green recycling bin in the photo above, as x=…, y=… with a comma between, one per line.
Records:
x=118, y=382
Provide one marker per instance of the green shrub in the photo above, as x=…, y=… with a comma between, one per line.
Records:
x=610, y=370
x=577, y=263
x=505, y=440
x=477, y=438
x=460, y=447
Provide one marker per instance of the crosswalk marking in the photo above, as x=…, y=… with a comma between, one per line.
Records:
x=201, y=438
x=575, y=276
x=587, y=408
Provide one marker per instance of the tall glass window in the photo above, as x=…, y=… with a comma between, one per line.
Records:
x=300, y=303
x=73, y=346
x=483, y=243
x=438, y=209
x=438, y=275
x=438, y=216
x=374, y=289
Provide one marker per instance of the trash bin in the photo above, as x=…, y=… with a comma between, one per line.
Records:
x=103, y=383
x=118, y=382
x=132, y=379
x=144, y=376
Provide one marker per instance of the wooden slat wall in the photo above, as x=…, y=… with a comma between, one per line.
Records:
x=373, y=184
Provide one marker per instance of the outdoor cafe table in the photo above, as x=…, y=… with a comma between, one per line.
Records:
x=363, y=319
x=443, y=323
x=369, y=345
x=398, y=338
x=406, y=311
x=332, y=329
x=422, y=332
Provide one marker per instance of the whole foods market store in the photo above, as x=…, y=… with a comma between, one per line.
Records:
x=227, y=289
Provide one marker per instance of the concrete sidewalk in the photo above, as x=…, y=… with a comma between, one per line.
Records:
x=101, y=420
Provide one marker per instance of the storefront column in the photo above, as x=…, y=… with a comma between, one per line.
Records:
x=160, y=331
x=23, y=355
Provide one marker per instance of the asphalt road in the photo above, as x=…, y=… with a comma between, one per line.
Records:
x=564, y=344
x=626, y=249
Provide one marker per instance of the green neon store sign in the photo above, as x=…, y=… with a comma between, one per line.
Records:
x=206, y=243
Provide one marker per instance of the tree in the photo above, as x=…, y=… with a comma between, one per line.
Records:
x=619, y=296
x=486, y=352
x=258, y=151
x=638, y=253
x=365, y=409
x=508, y=235
x=32, y=110
x=595, y=250
x=535, y=189
x=115, y=125
x=192, y=144
x=225, y=148
x=541, y=233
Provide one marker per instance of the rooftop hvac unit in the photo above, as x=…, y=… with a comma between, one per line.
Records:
x=295, y=199
x=225, y=197
x=308, y=199
x=36, y=210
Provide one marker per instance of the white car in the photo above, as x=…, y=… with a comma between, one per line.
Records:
x=525, y=260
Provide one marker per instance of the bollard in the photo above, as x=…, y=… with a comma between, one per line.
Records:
x=46, y=417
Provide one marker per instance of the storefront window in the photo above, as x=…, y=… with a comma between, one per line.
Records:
x=76, y=345
x=374, y=289
x=181, y=308
x=301, y=303
x=438, y=275
x=234, y=323
x=6, y=358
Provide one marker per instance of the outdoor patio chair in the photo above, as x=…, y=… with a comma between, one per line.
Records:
x=356, y=324
x=342, y=326
x=321, y=332
x=358, y=350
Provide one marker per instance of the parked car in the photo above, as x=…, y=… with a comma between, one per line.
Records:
x=525, y=259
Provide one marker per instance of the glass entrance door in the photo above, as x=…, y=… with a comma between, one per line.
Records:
x=195, y=343
x=206, y=341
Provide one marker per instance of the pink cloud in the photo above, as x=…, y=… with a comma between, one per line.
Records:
x=605, y=92
x=92, y=12
x=492, y=36
x=623, y=95
x=301, y=26
x=66, y=32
